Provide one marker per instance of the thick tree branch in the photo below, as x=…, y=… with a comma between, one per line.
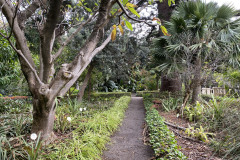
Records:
x=47, y=38
x=74, y=79
x=21, y=44
x=15, y=15
x=59, y=52
x=30, y=66
x=28, y=12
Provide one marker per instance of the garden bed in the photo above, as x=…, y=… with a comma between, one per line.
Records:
x=162, y=139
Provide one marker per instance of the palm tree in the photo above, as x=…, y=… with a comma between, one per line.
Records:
x=202, y=34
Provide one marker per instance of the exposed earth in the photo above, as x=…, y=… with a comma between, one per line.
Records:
x=127, y=142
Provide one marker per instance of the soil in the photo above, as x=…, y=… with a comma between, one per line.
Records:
x=127, y=142
x=193, y=149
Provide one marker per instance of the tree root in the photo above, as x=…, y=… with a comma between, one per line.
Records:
x=174, y=126
x=182, y=129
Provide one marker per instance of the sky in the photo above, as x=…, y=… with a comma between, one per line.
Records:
x=234, y=3
x=147, y=12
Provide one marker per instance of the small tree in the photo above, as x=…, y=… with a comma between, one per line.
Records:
x=52, y=18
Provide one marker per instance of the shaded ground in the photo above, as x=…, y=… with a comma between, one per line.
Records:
x=193, y=150
x=127, y=143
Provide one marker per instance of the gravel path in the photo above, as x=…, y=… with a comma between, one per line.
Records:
x=127, y=142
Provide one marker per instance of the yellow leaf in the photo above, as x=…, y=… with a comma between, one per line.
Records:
x=121, y=29
x=122, y=23
x=114, y=33
x=164, y=30
x=131, y=5
x=156, y=19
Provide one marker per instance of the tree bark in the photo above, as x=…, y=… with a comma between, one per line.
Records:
x=196, y=81
x=168, y=83
x=171, y=84
x=43, y=117
x=85, y=83
x=157, y=81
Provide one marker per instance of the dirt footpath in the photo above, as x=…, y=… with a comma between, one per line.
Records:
x=127, y=142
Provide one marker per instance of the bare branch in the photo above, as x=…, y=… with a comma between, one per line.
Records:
x=59, y=52
x=15, y=15
x=25, y=59
x=134, y=19
x=24, y=15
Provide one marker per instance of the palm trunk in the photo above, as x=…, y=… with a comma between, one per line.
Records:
x=85, y=83
x=171, y=84
x=196, y=81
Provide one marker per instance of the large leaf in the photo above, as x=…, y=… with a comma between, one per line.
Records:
x=164, y=30
x=125, y=2
x=134, y=11
x=131, y=5
x=121, y=29
x=129, y=25
x=114, y=33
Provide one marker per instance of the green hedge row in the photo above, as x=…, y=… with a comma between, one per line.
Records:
x=102, y=95
x=158, y=94
x=150, y=94
x=162, y=139
x=89, y=139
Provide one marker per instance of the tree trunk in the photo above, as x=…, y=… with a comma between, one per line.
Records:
x=171, y=84
x=157, y=80
x=43, y=118
x=85, y=83
x=196, y=81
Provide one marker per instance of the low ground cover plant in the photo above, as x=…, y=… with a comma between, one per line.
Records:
x=72, y=122
x=162, y=139
x=89, y=138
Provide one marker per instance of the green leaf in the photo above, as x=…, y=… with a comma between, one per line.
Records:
x=88, y=9
x=171, y=2
x=125, y=2
x=129, y=25
x=134, y=11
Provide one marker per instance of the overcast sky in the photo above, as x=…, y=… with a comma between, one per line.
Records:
x=234, y=3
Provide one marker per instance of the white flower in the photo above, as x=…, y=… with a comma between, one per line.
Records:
x=33, y=136
x=69, y=119
x=80, y=109
x=85, y=108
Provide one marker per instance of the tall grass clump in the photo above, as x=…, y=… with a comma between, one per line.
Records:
x=89, y=139
x=222, y=116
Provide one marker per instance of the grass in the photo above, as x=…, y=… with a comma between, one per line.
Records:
x=89, y=139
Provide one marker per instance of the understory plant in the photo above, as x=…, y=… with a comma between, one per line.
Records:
x=162, y=139
x=193, y=113
x=89, y=138
x=221, y=116
x=171, y=103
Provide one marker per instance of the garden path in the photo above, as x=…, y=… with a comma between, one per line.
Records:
x=127, y=142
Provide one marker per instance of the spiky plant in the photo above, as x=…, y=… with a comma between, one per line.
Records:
x=203, y=35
